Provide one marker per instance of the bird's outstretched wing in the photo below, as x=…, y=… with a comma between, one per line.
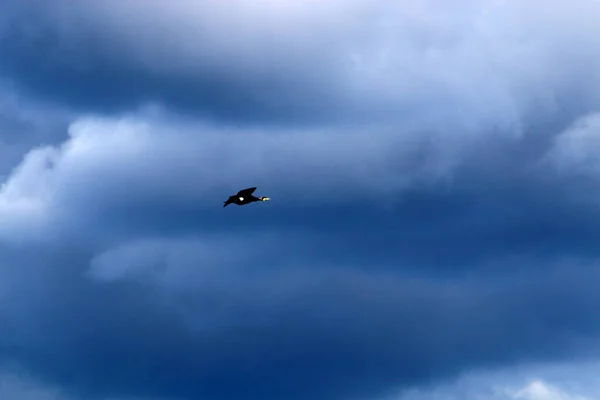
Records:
x=228, y=201
x=246, y=192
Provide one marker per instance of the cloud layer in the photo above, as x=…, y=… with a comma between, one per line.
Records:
x=279, y=62
x=433, y=171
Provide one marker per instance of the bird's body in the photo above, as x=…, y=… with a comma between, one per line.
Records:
x=244, y=197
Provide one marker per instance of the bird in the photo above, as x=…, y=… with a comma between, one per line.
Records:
x=244, y=197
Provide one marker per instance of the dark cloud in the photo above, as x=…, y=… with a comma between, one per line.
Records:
x=282, y=333
x=114, y=179
x=25, y=124
x=63, y=53
x=433, y=174
x=296, y=64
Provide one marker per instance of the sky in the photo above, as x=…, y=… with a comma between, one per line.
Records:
x=435, y=182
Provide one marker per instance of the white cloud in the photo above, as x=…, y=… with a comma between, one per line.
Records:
x=452, y=78
x=539, y=390
x=577, y=149
x=476, y=65
x=110, y=162
x=564, y=381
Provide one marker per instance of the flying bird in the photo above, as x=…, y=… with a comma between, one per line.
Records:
x=244, y=197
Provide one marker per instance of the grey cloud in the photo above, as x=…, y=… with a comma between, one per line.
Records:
x=425, y=217
x=118, y=178
x=106, y=163
x=476, y=64
x=572, y=153
x=18, y=384
x=265, y=332
x=14, y=386
x=178, y=259
x=25, y=124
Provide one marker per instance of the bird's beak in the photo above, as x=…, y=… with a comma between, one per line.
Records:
x=266, y=198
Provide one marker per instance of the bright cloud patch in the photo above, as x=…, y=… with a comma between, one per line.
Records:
x=557, y=382
x=112, y=161
x=575, y=150
x=538, y=390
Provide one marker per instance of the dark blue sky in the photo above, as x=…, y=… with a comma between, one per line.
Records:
x=433, y=230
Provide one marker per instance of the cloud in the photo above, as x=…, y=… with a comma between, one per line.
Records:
x=114, y=178
x=106, y=163
x=565, y=381
x=573, y=149
x=16, y=384
x=183, y=323
x=24, y=124
x=424, y=161
x=538, y=390
x=16, y=387
x=124, y=216
x=365, y=61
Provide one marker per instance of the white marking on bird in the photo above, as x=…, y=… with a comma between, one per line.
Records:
x=241, y=199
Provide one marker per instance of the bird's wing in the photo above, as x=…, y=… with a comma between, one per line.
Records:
x=228, y=201
x=246, y=192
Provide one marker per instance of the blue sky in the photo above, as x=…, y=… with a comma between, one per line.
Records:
x=433, y=230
